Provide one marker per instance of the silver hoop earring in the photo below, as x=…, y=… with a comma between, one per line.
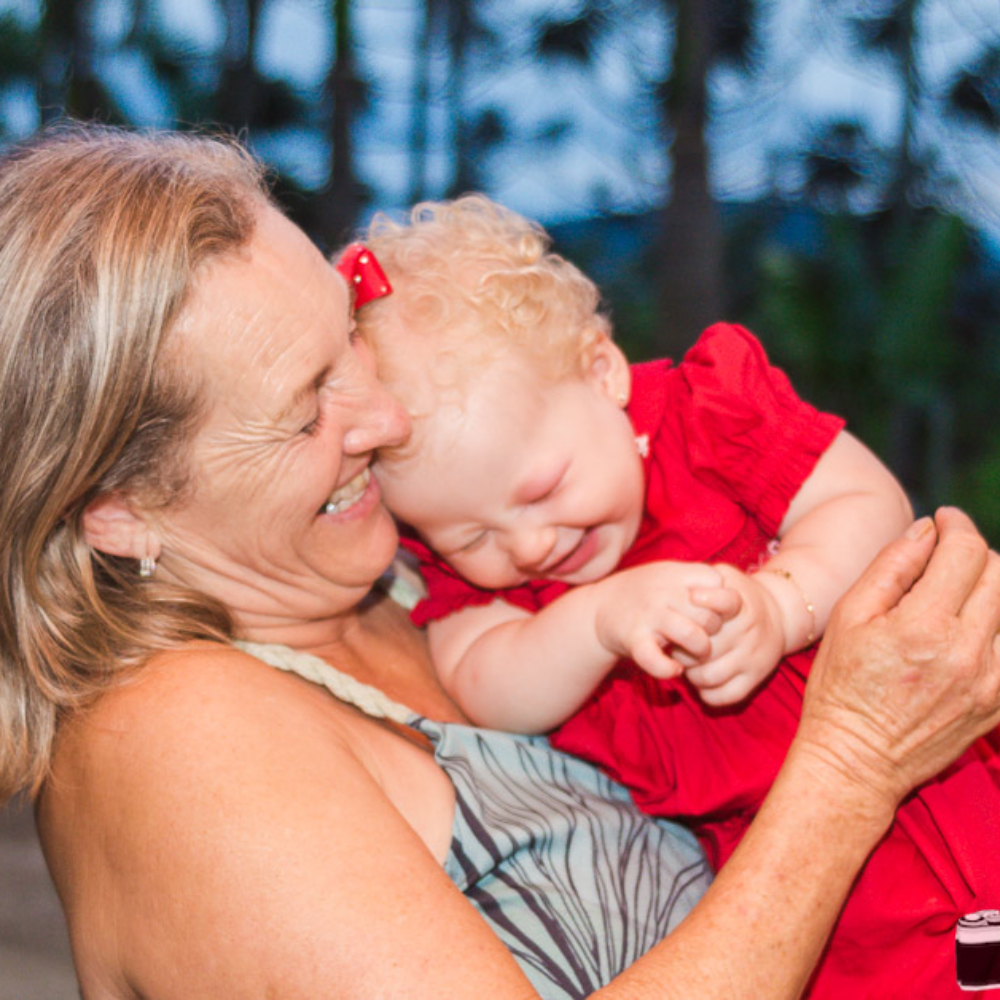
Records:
x=147, y=567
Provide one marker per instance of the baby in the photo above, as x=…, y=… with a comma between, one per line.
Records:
x=638, y=559
x=538, y=454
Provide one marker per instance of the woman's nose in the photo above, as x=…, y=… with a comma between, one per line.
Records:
x=530, y=547
x=382, y=422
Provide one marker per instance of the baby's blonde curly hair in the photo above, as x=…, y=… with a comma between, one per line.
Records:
x=473, y=283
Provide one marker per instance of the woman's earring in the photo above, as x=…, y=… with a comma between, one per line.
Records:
x=623, y=398
x=147, y=567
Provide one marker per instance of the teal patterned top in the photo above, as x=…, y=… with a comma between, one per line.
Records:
x=571, y=877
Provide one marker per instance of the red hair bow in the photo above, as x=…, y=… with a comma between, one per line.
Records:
x=363, y=273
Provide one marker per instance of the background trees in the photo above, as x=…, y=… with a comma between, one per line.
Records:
x=826, y=172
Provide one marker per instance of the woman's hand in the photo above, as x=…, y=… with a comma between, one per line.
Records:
x=908, y=674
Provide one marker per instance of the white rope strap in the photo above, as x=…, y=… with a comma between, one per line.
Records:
x=368, y=699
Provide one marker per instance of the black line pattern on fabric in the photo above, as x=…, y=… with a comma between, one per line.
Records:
x=572, y=879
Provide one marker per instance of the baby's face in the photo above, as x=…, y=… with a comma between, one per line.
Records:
x=529, y=479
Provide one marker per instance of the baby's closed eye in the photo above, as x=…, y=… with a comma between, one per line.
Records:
x=475, y=542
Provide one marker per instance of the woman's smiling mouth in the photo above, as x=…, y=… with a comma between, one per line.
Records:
x=348, y=495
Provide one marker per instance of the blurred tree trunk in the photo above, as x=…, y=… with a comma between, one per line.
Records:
x=338, y=203
x=460, y=30
x=19, y=60
x=446, y=29
x=237, y=97
x=690, y=266
x=904, y=33
x=423, y=70
x=67, y=83
x=922, y=426
x=422, y=63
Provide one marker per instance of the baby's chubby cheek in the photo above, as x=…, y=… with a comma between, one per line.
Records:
x=393, y=485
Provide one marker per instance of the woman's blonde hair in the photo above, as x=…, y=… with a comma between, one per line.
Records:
x=483, y=283
x=101, y=232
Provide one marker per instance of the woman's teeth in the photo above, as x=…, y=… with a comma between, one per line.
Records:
x=348, y=494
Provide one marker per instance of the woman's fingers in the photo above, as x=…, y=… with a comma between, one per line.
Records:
x=955, y=567
x=982, y=606
x=979, y=623
x=908, y=673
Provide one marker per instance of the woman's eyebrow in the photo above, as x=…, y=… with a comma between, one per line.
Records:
x=304, y=390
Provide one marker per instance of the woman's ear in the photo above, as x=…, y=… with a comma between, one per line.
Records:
x=111, y=526
x=606, y=368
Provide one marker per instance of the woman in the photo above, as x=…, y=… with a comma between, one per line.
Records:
x=187, y=421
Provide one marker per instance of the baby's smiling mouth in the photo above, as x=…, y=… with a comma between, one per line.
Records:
x=347, y=495
x=577, y=557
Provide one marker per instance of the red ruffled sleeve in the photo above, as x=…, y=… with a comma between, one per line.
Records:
x=746, y=432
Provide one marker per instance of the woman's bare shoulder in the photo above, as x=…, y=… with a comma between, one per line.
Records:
x=182, y=678
x=191, y=712
x=210, y=823
x=183, y=787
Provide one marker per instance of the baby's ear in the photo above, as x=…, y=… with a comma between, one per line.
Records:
x=110, y=525
x=606, y=368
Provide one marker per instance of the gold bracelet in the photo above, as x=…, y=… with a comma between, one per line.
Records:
x=810, y=607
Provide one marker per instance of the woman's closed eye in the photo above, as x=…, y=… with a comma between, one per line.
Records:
x=314, y=426
x=331, y=381
x=319, y=403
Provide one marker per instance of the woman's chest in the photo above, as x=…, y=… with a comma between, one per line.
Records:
x=403, y=765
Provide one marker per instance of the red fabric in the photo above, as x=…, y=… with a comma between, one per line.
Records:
x=730, y=445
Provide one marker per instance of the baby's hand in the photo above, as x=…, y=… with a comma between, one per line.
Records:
x=747, y=646
x=648, y=613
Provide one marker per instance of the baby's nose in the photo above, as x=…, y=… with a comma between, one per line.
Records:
x=530, y=548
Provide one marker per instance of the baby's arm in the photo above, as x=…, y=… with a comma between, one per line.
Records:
x=509, y=669
x=845, y=512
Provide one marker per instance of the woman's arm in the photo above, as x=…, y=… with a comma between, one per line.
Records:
x=217, y=830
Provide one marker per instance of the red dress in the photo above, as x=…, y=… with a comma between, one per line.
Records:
x=730, y=444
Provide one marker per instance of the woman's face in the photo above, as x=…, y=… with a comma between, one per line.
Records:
x=283, y=522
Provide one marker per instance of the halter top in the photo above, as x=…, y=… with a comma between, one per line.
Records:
x=555, y=857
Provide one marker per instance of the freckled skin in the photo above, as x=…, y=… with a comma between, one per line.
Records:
x=296, y=412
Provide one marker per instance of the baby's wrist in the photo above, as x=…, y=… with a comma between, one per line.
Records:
x=600, y=597
x=797, y=613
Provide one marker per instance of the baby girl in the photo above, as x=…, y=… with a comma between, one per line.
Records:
x=638, y=559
